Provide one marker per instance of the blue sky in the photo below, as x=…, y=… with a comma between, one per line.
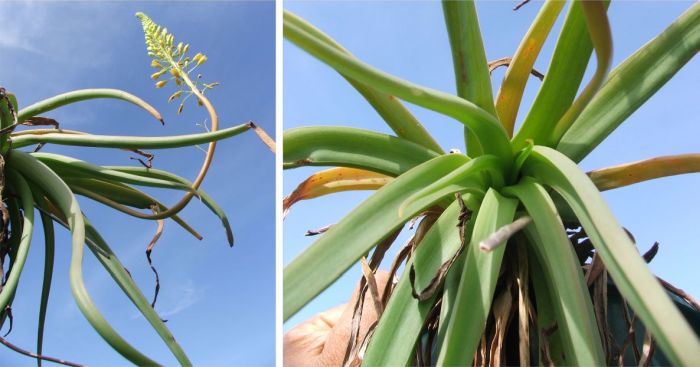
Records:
x=409, y=40
x=219, y=300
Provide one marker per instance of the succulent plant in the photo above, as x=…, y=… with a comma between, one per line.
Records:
x=513, y=232
x=35, y=182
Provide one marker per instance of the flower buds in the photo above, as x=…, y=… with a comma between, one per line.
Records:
x=175, y=95
x=199, y=59
x=158, y=74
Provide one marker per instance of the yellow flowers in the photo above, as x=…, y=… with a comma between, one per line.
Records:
x=175, y=95
x=158, y=74
x=171, y=58
x=199, y=59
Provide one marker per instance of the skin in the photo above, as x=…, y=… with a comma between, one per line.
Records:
x=323, y=339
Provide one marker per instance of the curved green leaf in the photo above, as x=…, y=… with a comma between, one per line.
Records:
x=61, y=196
x=20, y=188
x=491, y=135
x=120, y=196
x=349, y=239
x=201, y=194
x=399, y=119
x=66, y=166
x=118, y=272
x=350, y=147
x=626, y=266
x=561, y=81
x=49, y=249
x=14, y=207
x=632, y=83
x=104, y=254
x=82, y=95
x=473, y=176
x=599, y=30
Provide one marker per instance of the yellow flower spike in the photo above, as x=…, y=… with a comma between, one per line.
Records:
x=185, y=49
x=156, y=64
x=179, y=47
x=175, y=72
x=161, y=83
x=197, y=57
x=201, y=60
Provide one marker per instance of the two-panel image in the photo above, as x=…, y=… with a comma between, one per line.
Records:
x=349, y=183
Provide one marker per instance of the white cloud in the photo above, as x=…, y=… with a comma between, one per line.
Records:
x=58, y=31
x=189, y=296
x=19, y=20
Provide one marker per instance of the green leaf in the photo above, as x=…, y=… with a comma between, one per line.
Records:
x=574, y=310
x=118, y=272
x=351, y=147
x=14, y=207
x=599, y=30
x=207, y=200
x=399, y=119
x=104, y=254
x=485, y=126
x=513, y=85
x=49, y=250
x=469, y=62
x=60, y=195
x=547, y=330
x=468, y=55
x=473, y=177
x=561, y=81
x=399, y=327
x=82, y=95
x=66, y=166
x=632, y=83
x=20, y=188
x=477, y=284
x=626, y=266
x=64, y=137
x=119, y=196
x=336, y=250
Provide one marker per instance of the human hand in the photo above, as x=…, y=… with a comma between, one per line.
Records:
x=323, y=339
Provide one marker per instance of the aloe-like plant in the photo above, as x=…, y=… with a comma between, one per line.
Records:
x=513, y=233
x=40, y=188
